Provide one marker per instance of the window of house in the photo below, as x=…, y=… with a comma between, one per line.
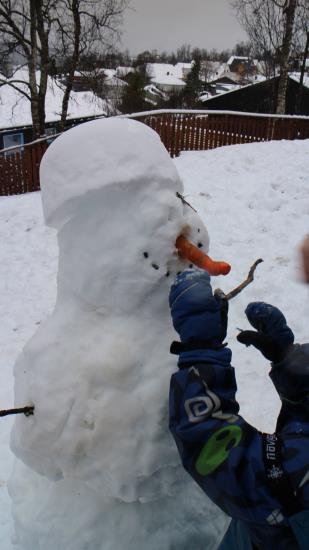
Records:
x=12, y=140
x=50, y=132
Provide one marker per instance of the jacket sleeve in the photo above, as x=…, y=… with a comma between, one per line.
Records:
x=221, y=451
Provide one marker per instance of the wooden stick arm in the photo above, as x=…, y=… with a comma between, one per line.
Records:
x=27, y=411
x=239, y=288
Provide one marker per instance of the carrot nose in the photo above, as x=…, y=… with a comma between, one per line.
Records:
x=190, y=252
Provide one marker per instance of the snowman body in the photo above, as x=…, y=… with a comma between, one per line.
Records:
x=98, y=462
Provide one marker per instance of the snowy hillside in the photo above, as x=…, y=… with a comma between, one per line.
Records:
x=254, y=200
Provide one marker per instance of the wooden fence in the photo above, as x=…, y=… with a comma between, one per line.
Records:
x=199, y=132
x=19, y=169
x=179, y=131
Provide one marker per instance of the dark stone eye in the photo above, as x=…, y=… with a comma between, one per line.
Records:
x=155, y=266
x=146, y=254
x=198, y=230
x=200, y=245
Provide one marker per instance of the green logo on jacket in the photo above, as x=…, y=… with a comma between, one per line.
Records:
x=217, y=449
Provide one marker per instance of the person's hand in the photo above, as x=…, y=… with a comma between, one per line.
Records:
x=272, y=337
x=305, y=258
x=198, y=316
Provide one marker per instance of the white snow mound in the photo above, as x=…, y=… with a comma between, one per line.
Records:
x=98, y=447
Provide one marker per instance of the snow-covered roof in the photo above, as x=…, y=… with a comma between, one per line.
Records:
x=165, y=73
x=153, y=90
x=89, y=74
x=241, y=58
x=109, y=72
x=227, y=76
x=223, y=89
x=124, y=71
x=182, y=66
x=229, y=87
x=259, y=78
x=204, y=96
x=15, y=108
x=114, y=81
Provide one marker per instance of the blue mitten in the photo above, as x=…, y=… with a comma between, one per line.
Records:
x=198, y=316
x=273, y=338
x=291, y=376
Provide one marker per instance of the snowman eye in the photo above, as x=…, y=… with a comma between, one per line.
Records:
x=155, y=266
x=146, y=254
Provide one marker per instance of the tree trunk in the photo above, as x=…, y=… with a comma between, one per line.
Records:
x=302, y=74
x=285, y=55
x=44, y=63
x=73, y=65
x=32, y=63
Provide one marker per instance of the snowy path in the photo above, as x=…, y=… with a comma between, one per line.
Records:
x=254, y=200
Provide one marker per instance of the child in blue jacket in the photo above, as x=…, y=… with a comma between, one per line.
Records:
x=259, y=480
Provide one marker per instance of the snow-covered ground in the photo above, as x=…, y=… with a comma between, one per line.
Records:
x=254, y=200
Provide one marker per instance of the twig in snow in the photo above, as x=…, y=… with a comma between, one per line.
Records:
x=181, y=197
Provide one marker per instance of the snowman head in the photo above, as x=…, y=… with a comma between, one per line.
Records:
x=114, y=194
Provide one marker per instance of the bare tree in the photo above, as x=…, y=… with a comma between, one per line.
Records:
x=25, y=27
x=269, y=25
x=40, y=30
x=301, y=45
x=263, y=22
x=84, y=27
x=288, y=8
x=208, y=70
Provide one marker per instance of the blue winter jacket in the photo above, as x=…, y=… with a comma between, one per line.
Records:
x=226, y=456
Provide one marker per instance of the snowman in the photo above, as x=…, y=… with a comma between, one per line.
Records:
x=97, y=465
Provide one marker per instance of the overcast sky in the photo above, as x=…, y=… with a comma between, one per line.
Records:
x=167, y=24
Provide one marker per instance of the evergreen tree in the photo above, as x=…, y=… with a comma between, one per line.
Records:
x=194, y=85
x=133, y=99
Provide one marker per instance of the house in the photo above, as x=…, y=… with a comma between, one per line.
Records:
x=111, y=88
x=212, y=70
x=15, y=111
x=154, y=95
x=122, y=72
x=168, y=78
x=183, y=69
x=242, y=67
x=222, y=77
x=237, y=70
x=259, y=97
x=82, y=81
x=222, y=84
x=103, y=82
x=219, y=87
